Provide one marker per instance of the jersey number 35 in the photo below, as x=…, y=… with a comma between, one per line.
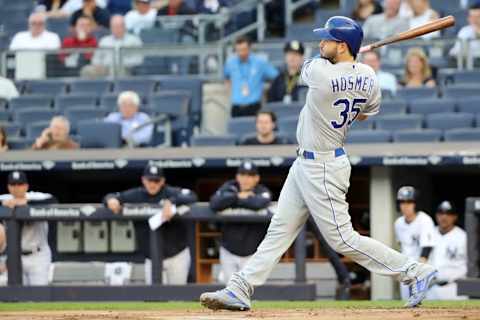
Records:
x=352, y=108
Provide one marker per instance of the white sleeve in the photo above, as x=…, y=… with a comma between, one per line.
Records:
x=14, y=45
x=373, y=104
x=426, y=237
x=311, y=71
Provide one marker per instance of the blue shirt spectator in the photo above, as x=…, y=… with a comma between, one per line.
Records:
x=130, y=119
x=119, y=6
x=246, y=74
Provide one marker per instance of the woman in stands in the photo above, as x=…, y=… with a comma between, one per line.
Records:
x=418, y=72
x=3, y=140
x=366, y=8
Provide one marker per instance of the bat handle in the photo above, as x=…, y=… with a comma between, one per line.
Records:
x=365, y=48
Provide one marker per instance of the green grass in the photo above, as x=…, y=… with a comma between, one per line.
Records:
x=149, y=306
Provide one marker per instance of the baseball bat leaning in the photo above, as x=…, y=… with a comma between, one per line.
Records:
x=431, y=26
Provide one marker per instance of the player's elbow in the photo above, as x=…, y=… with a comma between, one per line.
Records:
x=362, y=117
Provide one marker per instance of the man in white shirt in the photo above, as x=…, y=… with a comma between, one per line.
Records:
x=382, y=25
x=142, y=17
x=104, y=60
x=423, y=13
x=386, y=80
x=470, y=34
x=449, y=255
x=30, y=62
x=413, y=230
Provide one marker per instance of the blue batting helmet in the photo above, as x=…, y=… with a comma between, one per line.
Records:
x=342, y=29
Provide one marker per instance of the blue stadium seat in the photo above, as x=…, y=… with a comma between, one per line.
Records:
x=99, y=134
x=391, y=107
x=457, y=92
x=288, y=125
x=431, y=106
x=301, y=32
x=59, y=25
x=425, y=135
x=469, y=104
x=302, y=94
x=369, y=136
x=173, y=103
x=77, y=114
x=95, y=87
x=141, y=86
x=445, y=7
x=64, y=102
x=223, y=140
x=5, y=116
x=464, y=134
x=31, y=101
x=30, y=115
x=446, y=121
x=12, y=129
x=400, y=122
x=241, y=126
x=109, y=101
x=283, y=110
x=363, y=125
x=466, y=77
x=35, y=129
x=157, y=36
x=477, y=120
x=19, y=143
x=410, y=94
x=44, y=87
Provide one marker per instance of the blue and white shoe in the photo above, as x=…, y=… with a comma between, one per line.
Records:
x=420, y=284
x=224, y=300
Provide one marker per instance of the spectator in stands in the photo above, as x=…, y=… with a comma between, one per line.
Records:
x=73, y=5
x=366, y=8
x=210, y=6
x=470, y=34
x=119, y=6
x=36, y=254
x=245, y=74
x=142, y=17
x=175, y=8
x=100, y=16
x=7, y=89
x=155, y=190
x=103, y=60
x=52, y=8
x=265, y=122
x=386, y=80
x=385, y=24
x=285, y=86
x=131, y=120
x=82, y=38
x=56, y=136
x=418, y=72
x=3, y=142
x=423, y=13
x=449, y=256
x=243, y=195
x=37, y=37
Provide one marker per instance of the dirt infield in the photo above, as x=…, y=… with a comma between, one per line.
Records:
x=274, y=314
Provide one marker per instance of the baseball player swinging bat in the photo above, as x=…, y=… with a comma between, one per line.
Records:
x=432, y=26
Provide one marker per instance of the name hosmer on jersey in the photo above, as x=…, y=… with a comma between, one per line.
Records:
x=357, y=83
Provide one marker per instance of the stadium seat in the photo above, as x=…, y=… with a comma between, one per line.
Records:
x=283, y=110
x=431, y=106
x=30, y=115
x=222, y=140
x=77, y=114
x=466, y=77
x=31, y=101
x=172, y=103
x=12, y=129
x=20, y=143
x=241, y=126
x=445, y=7
x=155, y=36
x=109, y=101
x=463, y=134
x=301, y=32
x=288, y=124
x=392, y=107
x=425, y=135
x=94, y=87
x=458, y=92
x=410, y=94
x=34, y=130
x=44, y=87
x=97, y=134
x=143, y=87
x=5, y=116
x=363, y=125
x=64, y=102
x=59, y=26
x=400, y=122
x=369, y=136
x=446, y=121
x=469, y=105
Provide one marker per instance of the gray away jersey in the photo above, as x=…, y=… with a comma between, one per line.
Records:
x=337, y=94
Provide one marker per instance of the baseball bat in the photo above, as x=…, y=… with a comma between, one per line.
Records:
x=431, y=26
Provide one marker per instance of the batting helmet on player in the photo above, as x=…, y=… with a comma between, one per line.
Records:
x=406, y=193
x=342, y=29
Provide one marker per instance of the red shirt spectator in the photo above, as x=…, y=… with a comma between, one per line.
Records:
x=82, y=38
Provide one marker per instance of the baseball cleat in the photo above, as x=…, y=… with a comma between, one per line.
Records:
x=223, y=300
x=420, y=285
